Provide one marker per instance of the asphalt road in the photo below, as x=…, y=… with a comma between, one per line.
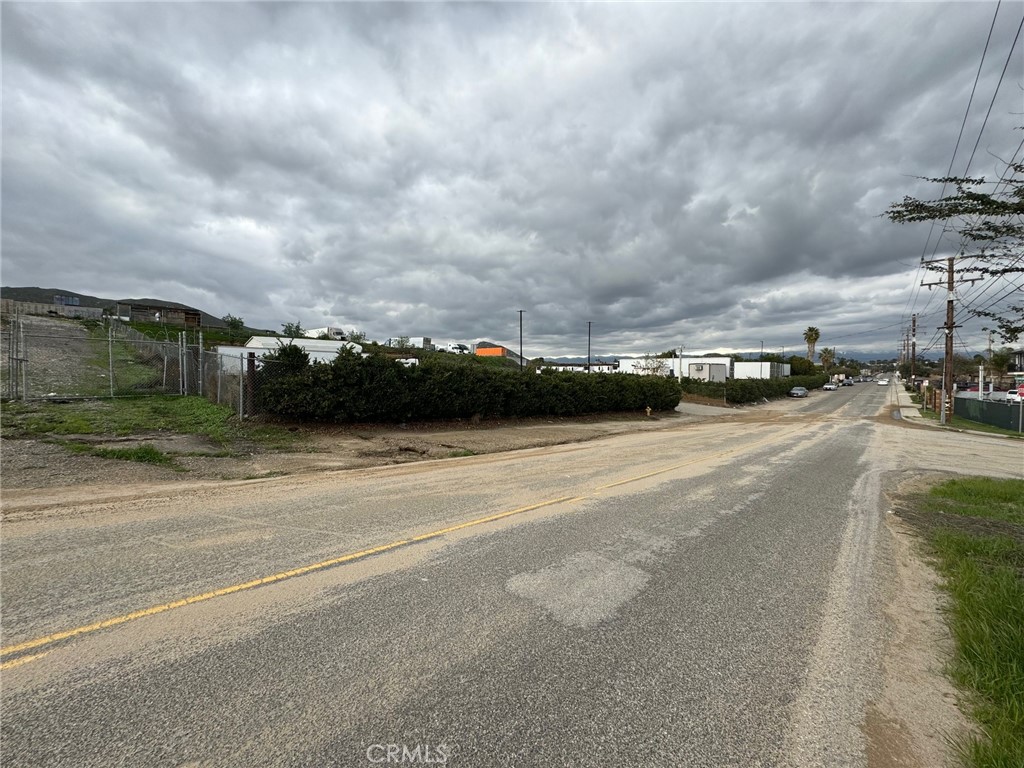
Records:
x=709, y=595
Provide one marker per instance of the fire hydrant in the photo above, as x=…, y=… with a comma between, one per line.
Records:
x=648, y=410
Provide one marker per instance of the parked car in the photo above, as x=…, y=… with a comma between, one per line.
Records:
x=831, y=386
x=798, y=392
x=883, y=382
x=1015, y=395
x=847, y=382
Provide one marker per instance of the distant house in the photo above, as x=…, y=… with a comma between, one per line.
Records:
x=161, y=312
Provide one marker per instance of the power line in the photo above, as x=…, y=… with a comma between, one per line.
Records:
x=995, y=93
x=915, y=293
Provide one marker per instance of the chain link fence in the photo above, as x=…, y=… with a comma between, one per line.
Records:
x=232, y=378
x=52, y=358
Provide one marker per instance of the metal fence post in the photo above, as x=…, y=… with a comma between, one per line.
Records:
x=241, y=385
x=200, y=363
x=110, y=357
x=23, y=359
x=182, y=362
x=250, y=391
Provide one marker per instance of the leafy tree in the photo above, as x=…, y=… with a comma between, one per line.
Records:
x=293, y=330
x=989, y=217
x=1000, y=361
x=235, y=325
x=811, y=336
x=963, y=366
x=800, y=366
x=356, y=336
x=652, y=365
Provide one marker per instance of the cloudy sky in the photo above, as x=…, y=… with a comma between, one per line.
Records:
x=710, y=175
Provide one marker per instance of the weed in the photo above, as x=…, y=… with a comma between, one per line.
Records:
x=984, y=575
x=980, y=497
x=126, y=416
x=461, y=452
x=145, y=454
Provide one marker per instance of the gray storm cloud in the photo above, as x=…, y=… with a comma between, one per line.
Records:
x=707, y=174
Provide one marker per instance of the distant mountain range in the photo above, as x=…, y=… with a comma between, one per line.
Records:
x=45, y=296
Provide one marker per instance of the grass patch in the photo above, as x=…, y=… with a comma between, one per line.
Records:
x=980, y=497
x=975, y=527
x=144, y=454
x=460, y=452
x=128, y=416
x=958, y=422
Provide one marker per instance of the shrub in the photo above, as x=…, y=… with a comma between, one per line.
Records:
x=375, y=388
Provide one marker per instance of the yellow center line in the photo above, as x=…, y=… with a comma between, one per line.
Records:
x=164, y=607
x=22, y=660
x=347, y=558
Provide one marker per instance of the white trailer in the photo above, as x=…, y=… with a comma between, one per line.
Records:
x=331, y=332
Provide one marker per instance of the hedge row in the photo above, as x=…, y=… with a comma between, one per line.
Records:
x=740, y=391
x=376, y=389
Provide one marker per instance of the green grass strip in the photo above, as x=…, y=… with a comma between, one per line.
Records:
x=984, y=575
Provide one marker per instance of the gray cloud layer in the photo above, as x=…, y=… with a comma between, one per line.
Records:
x=701, y=174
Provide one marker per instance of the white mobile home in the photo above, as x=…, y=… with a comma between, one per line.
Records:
x=760, y=370
x=701, y=368
x=317, y=349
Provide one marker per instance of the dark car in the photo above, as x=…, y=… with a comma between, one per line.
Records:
x=798, y=392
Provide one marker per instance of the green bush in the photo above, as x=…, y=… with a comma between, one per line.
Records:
x=352, y=388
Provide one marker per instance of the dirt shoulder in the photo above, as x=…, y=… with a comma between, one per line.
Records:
x=32, y=464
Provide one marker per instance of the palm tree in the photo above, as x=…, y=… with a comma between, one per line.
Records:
x=828, y=356
x=811, y=336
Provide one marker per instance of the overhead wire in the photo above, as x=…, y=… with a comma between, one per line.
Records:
x=976, y=294
x=988, y=113
x=912, y=300
x=966, y=307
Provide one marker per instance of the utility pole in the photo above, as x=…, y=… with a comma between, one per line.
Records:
x=947, y=368
x=588, y=346
x=521, y=338
x=946, y=415
x=913, y=347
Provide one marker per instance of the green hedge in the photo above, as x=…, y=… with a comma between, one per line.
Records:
x=740, y=391
x=377, y=389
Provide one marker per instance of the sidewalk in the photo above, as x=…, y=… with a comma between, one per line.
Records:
x=909, y=410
